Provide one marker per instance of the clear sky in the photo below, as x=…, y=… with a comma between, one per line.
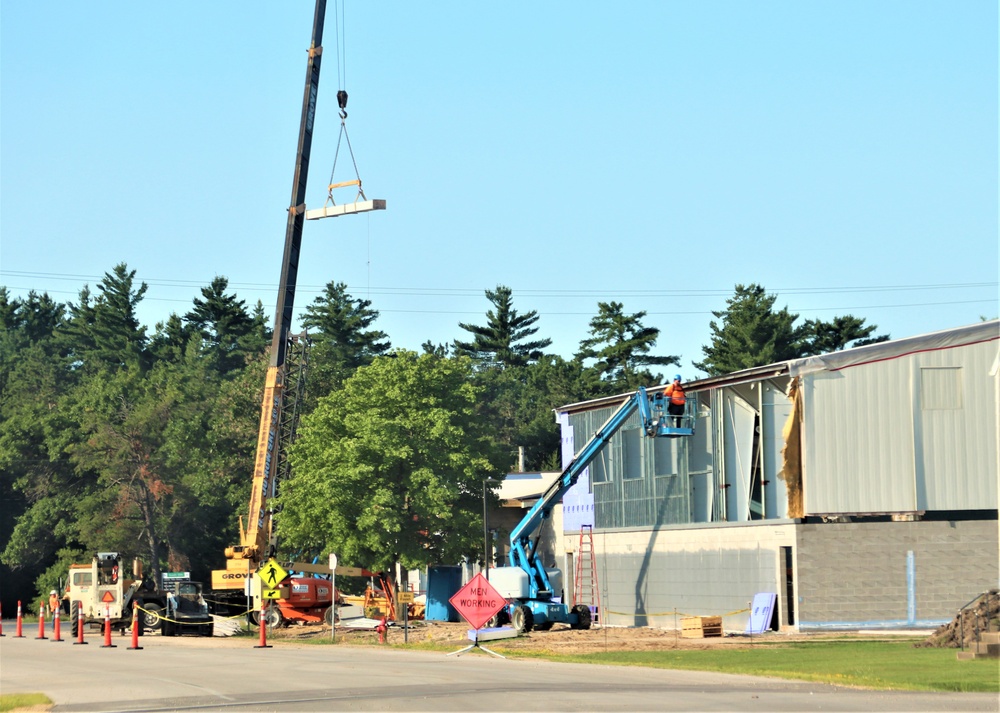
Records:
x=842, y=154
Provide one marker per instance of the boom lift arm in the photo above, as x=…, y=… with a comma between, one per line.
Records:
x=523, y=551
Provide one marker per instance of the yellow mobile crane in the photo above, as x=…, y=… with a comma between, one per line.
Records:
x=305, y=599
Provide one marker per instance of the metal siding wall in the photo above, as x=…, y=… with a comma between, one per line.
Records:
x=737, y=426
x=958, y=458
x=870, y=447
x=639, y=500
x=672, y=501
x=858, y=439
x=775, y=408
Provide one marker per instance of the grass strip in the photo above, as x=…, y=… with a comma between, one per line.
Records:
x=13, y=701
x=875, y=665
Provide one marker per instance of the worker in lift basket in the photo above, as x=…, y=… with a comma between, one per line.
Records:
x=676, y=400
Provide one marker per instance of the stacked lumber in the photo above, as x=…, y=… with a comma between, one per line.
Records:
x=700, y=627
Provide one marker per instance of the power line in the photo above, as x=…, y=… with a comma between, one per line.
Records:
x=534, y=292
x=552, y=313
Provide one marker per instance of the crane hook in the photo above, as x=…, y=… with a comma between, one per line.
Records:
x=342, y=101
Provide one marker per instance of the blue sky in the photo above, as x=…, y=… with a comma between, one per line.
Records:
x=842, y=154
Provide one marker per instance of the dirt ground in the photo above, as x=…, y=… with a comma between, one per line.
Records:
x=964, y=630
x=559, y=640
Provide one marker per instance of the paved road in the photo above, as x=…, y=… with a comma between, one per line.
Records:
x=230, y=675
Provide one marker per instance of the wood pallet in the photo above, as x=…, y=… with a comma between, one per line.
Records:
x=700, y=627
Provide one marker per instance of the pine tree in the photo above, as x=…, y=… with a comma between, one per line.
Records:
x=170, y=339
x=104, y=330
x=501, y=341
x=751, y=333
x=823, y=337
x=620, y=344
x=341, y=335
x=222, y=321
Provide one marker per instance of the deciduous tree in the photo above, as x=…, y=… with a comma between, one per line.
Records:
x=389, y=468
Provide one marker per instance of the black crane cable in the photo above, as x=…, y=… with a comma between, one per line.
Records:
x=341, y=25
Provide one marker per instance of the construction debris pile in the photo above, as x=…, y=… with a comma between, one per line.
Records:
x=964, y=630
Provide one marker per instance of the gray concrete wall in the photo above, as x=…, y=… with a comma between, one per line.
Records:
x=851, y=575
x=645, y=591
x=645, y=576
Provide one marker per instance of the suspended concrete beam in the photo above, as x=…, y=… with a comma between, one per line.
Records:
x=332, y=211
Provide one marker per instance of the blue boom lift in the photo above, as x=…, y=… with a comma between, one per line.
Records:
x=532, y=591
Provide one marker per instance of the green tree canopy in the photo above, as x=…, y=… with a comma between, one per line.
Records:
x=170, y=339
x=342, y=337
x=620, y=344
x=822, y=337
x=390, y=468
x=501, y=342
x=223, y=322
x=105, y=331
x=751, y=333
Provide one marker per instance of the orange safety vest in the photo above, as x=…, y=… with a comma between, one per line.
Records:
x=53, y=602
x=676, y=394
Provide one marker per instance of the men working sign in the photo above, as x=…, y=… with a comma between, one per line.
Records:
x=478, y=601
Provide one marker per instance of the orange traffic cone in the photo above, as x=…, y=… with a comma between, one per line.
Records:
x=17, y=633
x=135, y=630
x=55, y=625
x=107, y=630
x=79, y=625
x=41, y=621
x=263, y=626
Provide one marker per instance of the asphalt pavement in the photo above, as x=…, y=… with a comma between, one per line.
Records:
x=214, y=674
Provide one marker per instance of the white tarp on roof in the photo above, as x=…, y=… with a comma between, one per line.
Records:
x=946, y=339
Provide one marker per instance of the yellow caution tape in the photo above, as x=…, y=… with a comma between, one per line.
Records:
x=671, y=613
x=160, y=616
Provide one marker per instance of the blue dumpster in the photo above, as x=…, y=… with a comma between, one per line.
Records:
x=442, y=583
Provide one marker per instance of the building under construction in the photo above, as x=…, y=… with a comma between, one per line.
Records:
x=859, y=487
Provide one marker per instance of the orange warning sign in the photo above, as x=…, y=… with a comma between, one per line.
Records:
x=108, y=597
x=478, y=601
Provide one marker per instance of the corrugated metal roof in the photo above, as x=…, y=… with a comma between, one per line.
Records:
x=757, y=373
x=945, y=339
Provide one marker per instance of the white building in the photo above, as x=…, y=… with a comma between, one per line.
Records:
x=860, y=487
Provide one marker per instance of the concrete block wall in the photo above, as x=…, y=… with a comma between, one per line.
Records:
x=862, y=575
